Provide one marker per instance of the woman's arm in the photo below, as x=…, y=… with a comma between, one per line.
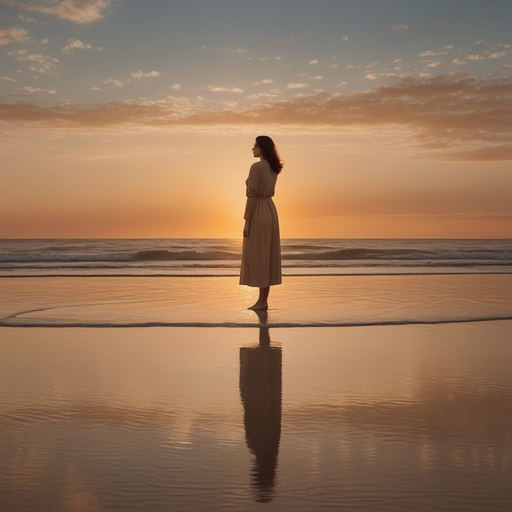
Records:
x=247, y=228
x=253, y=184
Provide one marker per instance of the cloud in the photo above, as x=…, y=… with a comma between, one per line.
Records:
x=396, y=61
x=78, y=11
x=238, y=51
x=319, y=77
x=341, y=84
x=113, y=81
x=449, y=47
x=176, y=87
x=29, y=20
x=224, y=88
x=350, y=66
x=313, y=61
x=497, y=55
x=35, y=61
x=454, y=117
x=36, y=89
x=13, y=35
x=266, y=81
x=7, y=79
x=345, y=38
x=371, y=77
x=273, y=93
x=296, y=86
x=475, y=57
x=426, y=54
x=434, y=65
x=75, y=44
x=400, y=27
x=489, y=154
x=458, y=62
x=141, y=74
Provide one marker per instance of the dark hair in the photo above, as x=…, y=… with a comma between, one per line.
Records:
x=270, y=153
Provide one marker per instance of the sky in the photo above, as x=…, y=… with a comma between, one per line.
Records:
x=136, y=119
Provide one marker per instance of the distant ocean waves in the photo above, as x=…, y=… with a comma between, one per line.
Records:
x=149, y=255
x=225, y=254
x=208, y=255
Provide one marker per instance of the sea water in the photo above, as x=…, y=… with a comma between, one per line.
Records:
x=222, y=256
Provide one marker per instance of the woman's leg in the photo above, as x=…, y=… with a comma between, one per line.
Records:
x=262, y=300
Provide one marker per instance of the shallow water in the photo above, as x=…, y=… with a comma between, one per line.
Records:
x=300, y=301
x=391, y=418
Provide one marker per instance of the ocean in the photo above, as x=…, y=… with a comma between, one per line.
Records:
x=221, y=257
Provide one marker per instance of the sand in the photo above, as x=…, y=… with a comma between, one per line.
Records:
x=368, y=417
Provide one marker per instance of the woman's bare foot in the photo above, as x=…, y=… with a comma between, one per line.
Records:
x=259, y=307
x=262, y=302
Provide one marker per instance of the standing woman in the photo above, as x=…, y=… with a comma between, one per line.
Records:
x=261, y=251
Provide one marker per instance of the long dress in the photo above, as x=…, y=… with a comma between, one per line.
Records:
x=261, y=250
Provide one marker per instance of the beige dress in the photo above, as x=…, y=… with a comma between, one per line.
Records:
x=261, y=251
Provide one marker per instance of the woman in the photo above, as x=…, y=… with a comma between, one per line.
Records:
x=261, y=251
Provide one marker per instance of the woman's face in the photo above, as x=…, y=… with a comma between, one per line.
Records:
x=256, y=151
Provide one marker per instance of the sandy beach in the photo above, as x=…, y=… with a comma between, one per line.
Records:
x=244, y=411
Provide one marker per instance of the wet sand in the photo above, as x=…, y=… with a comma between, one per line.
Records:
x=369, y=417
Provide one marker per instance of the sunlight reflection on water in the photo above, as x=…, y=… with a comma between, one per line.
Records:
x=392, y=418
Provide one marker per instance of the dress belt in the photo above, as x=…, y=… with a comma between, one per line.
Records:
x=259, y=197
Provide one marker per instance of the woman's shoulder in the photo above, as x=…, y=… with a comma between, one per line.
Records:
x=260, y=165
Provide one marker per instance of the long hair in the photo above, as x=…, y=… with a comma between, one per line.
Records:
x=270, y=153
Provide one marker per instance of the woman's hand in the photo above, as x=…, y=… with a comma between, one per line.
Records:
x=247, y=228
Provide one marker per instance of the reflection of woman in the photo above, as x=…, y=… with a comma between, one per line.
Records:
x=260, y=389
x=261, y=251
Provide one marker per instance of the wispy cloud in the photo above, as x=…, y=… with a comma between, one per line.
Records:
x=400, y=27
x=296, y=86
x=266, y=81
x=475, y=57
x=224, y=88
x=7, y=79
x=433, y=65
x=238, y=51
x=176, y=87
x=141, y=74
x=273, y=93
x=13, y=35
x=426, y=53
x=78, y=11
x=497, y=55
x=113, y=81
x=35, y=61
x=314, y=61
x=457, y=116
x=32, y=90
x=75, y=44
x=28, y=20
